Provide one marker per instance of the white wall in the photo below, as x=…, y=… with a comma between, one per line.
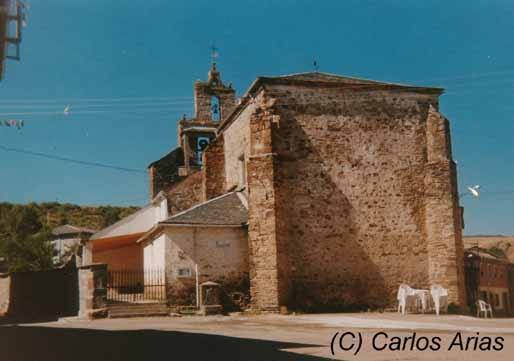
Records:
x=218, y=251
x=153, y=253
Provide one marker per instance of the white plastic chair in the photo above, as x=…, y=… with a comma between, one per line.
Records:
x=440, y=298
x=484, y=307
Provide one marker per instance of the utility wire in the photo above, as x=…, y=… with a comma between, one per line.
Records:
x=99, y=105
x=71, y=160
x=99, y=100
x=72, y=112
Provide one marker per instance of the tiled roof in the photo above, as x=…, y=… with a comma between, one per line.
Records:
x=227, y=210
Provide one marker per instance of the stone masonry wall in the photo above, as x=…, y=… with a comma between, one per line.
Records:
x=213, y=181
x=351, y=176
x=269, y=258
x=185, y=194
x=444, y=231
x=203, y=97
x=5, y=284
x=164, y=173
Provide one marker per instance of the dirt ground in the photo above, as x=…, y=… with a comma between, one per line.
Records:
x=262, y=337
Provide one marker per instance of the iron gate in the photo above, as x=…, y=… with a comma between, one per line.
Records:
x=136, y=286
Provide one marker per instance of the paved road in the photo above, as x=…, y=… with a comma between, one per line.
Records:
x=264, y=337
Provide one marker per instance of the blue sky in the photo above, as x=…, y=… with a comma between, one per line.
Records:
x=127, y=67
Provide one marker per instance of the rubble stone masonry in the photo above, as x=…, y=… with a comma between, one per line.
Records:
x=351, y=192
x=213, y=181
x=186, y=193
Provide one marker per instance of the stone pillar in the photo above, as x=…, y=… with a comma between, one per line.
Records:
x=213, y=182
x=87, y=253
x=269, y=276
x=443, y=225
x=93, y=291
x=5, y=287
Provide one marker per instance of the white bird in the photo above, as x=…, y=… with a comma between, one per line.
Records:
x=66, y=110
x=474, y=190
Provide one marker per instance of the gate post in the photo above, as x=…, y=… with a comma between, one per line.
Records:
x=93, y=291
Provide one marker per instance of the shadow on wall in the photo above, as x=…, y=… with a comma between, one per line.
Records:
x=43, y=296
x=329, y=251
x=29, y=343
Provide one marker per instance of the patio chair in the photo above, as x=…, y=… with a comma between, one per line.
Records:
x=440, y=298
x=484, y=307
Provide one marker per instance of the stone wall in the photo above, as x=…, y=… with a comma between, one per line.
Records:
x=237, y=148
x=221, y=254
x=5, y=284
x=93, y=291
x=443, y=221
x=185, y=194
x=342, y=191
x=203, y=96
x=269, y=259
x=213, y=182
x=164, y=173
x=43, y=295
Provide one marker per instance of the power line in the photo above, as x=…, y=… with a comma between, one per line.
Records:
x=80, y=100
x=72, y=112
x=71, y=160
x=99, y=105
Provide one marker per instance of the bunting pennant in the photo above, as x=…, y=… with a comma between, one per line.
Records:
x=13, y=123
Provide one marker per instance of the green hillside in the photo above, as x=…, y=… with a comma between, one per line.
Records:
x=55, y=214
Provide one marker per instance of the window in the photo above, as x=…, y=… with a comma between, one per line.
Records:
x=184, y=272
x=215, y=108
x=222, y=244
x=201, y=144
x=242, y=170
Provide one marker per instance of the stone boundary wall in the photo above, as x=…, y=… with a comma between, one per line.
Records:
x=43, y=295
x=93, y=291
x=5, y=285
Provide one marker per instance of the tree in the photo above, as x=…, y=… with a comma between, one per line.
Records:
x=24, y=244
x=110, y=215
x=32, y=253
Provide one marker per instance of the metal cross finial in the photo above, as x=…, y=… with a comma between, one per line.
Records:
x=316, y=66
x=214, y=54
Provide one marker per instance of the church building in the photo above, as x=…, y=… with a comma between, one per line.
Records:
x=312, y=191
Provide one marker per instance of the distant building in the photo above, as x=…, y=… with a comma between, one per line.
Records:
x=116, y=245
x=68, y=240
x=500, y=242
x=489, y=278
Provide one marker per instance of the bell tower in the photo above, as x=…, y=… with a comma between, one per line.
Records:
x=214, y=101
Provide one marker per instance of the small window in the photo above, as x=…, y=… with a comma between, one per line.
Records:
x=222, y=244
x=184, y=272
x=242, y=170
x=215, y=108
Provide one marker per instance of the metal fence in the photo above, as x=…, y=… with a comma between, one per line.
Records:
x=131, y=286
